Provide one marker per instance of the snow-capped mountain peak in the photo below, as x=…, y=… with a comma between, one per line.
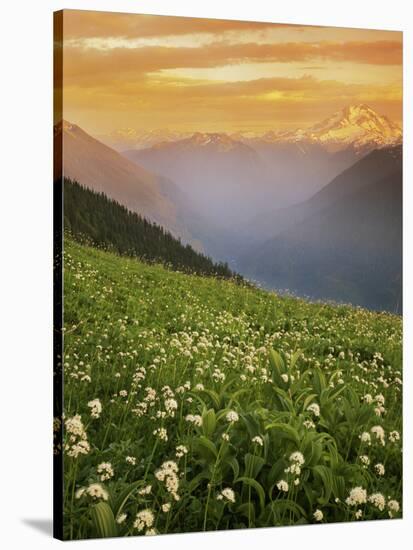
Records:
x=217, y=140
x=130, y=138
x=356, y=125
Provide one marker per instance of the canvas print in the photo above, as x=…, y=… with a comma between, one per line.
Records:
x=228, y=274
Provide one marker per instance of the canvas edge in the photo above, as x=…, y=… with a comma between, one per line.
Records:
x=57, y=277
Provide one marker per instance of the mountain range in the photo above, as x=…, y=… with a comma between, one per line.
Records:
x=344, y=243
x=317, y=211
x=278, y=168
x=358, y=126
x=101, y=169
x=225, y=180
x=130, y=138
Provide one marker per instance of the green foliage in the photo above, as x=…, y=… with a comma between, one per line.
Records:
x=262, y=401
x=94, y=218
x=103, y=520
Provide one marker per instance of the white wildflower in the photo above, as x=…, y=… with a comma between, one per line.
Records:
x=146, y=490
x=95, y=408
x=74, y=426
x=95, y=490
x=171, y=406
x=181, y=450
x=282, y=485
x=314, y=408
x=297, y=458
x=379, y=433
x=380, y=400
x=394, y=436
x=194, y=419
x=161, y=433
x=145, y=518
x=365, y=460
x=77, y=438
x=80, y=492
x=308, y=424
x=393, y=507
x=379, y=469
x=80, y=448
x=168, y=475
x=228, y=494
x=318, y=515
x=121, y=518
x=378, y=500
x=232, y=416
x=365, y=438
x=105, y=471
x=357, y=496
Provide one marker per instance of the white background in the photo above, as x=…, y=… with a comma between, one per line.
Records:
x=26, y=268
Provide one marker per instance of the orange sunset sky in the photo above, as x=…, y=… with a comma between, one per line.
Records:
x=148, y=72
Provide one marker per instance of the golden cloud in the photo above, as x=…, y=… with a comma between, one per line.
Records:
x=222, y=105
x=183, y=83
x=94, y=24
x=90, y=67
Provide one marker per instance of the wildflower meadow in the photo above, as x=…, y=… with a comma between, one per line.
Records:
x=196, y=403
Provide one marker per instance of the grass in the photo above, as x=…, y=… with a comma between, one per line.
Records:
x=196, y=404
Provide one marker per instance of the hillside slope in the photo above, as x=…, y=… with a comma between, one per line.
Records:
x=104, y=170
x=183, y=369
x=93, y=217
x=345, y=243
x=376, y=165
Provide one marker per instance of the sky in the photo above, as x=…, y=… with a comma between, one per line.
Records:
x=154, y=72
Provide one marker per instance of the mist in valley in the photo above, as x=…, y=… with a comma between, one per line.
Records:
x=291, y=217
x=317, y=214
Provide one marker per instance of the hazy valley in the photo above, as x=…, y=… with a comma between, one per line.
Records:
x=316, y=212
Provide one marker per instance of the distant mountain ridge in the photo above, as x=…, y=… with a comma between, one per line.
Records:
x=130, y=138
x=343, y=244
x=223, y=178
x=358, y=126
x=218, y=141
x=317, y=211
x=102, y=169
x=378, y=164
x=279, y=168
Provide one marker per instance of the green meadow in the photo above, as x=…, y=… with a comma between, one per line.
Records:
x=196, y=403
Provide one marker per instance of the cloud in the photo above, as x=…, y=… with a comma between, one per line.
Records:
x=177, y=83
x=383, y=52
x=92, y=24
x=87, y=64
x=265, y=102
